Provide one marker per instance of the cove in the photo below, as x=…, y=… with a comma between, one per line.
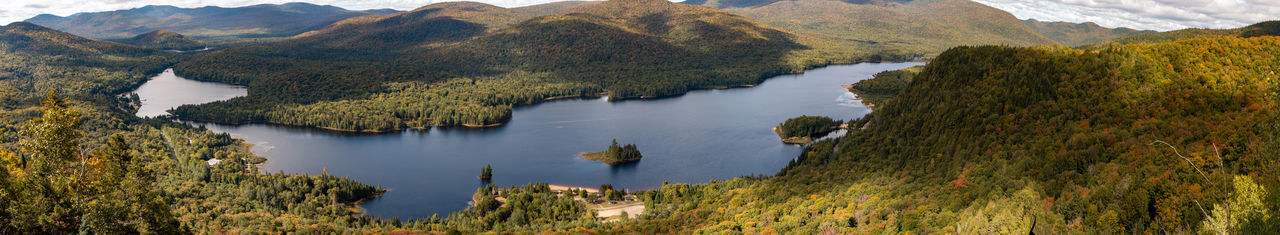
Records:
x=700, y=136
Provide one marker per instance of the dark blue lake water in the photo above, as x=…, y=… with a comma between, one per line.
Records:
x=703, y=135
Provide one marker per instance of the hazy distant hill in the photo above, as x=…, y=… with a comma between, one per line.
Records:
x=896, y=29
x=164, y=40
x=551, y=8
x=266, y=20
x=1077, y=34
x=1266, y=28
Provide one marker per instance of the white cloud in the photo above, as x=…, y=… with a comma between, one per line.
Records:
x=1160, y=15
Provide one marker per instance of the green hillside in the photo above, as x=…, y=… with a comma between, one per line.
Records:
x=444, y=63
x=889, y=30
x=1079, y=34
x=164, y=40
x=37, y=60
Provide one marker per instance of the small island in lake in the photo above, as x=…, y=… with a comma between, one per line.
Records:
x=615, y=155
x=802, y=129
x=486, y=173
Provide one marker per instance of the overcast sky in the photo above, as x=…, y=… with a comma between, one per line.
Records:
x=1146, y=14
x=1139, y=14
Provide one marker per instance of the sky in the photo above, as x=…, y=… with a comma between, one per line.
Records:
x=1159, y=15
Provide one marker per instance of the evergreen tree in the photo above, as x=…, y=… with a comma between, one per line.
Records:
x=486, y=173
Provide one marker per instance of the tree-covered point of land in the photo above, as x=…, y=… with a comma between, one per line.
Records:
x=884, y=85
x=803, y=129
x=615, y=154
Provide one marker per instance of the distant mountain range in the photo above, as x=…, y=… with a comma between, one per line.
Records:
x=1078, y=34
x=266, y=20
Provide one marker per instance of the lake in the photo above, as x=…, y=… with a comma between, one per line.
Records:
x=700, y=136
x=167, y=91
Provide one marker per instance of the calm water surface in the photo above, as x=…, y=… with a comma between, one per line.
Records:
x=167, y=91
x=703, y=135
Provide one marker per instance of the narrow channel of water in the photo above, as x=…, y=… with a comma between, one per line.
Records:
x=700, y=136
x=167, y=91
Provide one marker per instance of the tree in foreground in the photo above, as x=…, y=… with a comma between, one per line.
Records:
x=57, y=188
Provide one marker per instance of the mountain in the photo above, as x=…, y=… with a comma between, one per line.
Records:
x=266, y=20
x=164, y=40
x=37, y=60
x=449, y=21
x=624, y=48
x=896, y=30
x=1078, y=34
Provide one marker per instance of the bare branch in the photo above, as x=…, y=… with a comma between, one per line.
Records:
x=1193, y=165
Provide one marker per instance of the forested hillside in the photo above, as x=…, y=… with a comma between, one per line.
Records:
x=1009, y=140
x=75, y=159
x=886, y=29
x=36, y=60
x=265, y=20
x=164, y=40
x=468, y=63
x=1079, y=34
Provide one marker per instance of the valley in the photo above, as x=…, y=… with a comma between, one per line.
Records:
x=318, y=119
